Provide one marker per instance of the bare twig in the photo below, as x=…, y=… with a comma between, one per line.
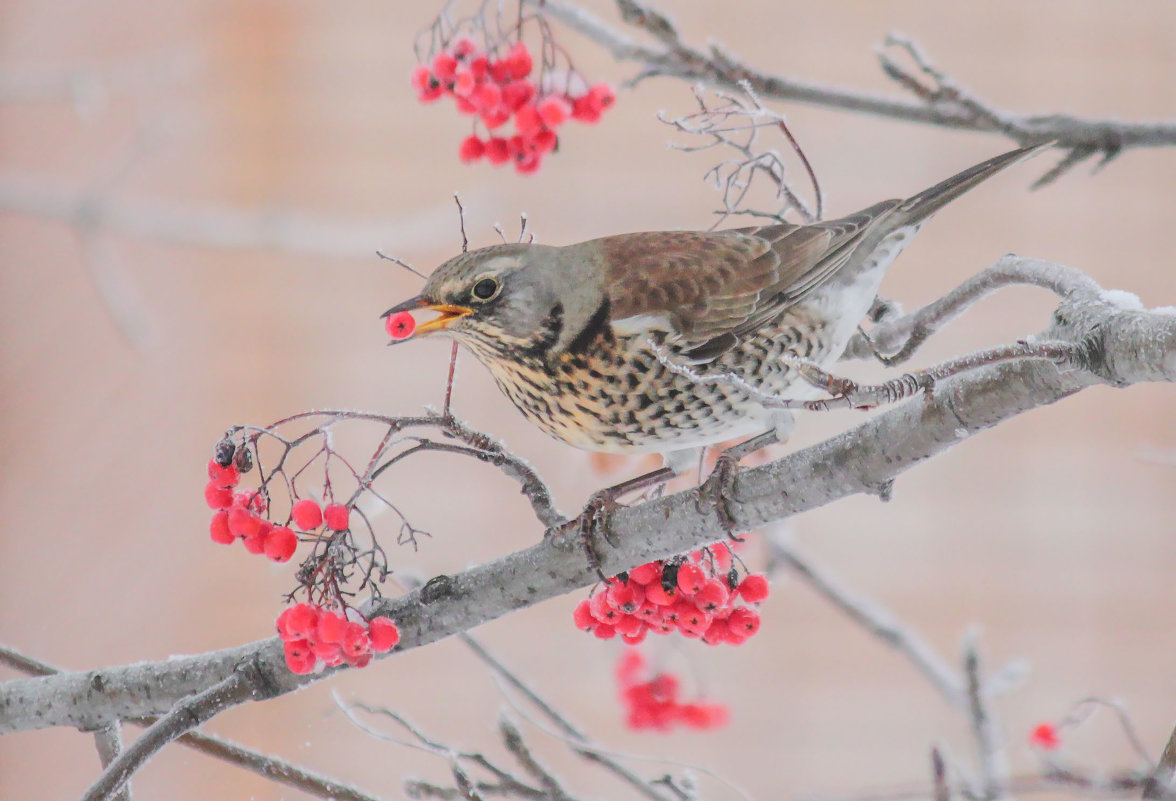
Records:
x=992, y=758
x=109, y=742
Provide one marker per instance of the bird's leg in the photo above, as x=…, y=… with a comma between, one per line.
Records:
x=719, y=485
x=596, y=519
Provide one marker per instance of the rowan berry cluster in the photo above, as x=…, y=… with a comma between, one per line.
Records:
x=699, y=597
x=654, y=703
x=314, y=637
x=496, y=89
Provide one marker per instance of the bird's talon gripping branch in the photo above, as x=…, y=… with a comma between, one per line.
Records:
x=719, y=488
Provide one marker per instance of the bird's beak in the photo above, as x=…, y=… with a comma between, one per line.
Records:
x=446, y=313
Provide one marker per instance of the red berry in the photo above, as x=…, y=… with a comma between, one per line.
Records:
x=298, y=622
x=358, y=661
x=656, y=593
x=299, y=656
x=337, y=516
x=527, y=120
x=254, y=543
x=582, y=616
x=444, y=67
x=586, y=109
x=497, y=151
x=1045, y=736
x=690, y=578
x=402, y=324
x=472, y=148
x=427, y=87
x=464, y=105
x=355, y=639
x=495, y=117
x=630, y=624
x=545, y=141
x=463, y=46
x=222, y=476
x=603, y=95
x=528, y=163
x=626, y=597
x=554, y=110
x=744, y=620
x=704, y=716
x=242, y=522
x=217, y=497
x=464, y=83
x=281, y=544
x=383, y=634
x=307, y=514
x=603, y=631
x=646, y=573
x=330, y=653
x=516, y=94
x=331, y=628
x=499, y=71
x=219, y=528
x=520, y=60
x=633, y=638
x=486, y=96
x=712, y=596
x=754, y=588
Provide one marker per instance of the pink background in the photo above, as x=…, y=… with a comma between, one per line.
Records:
x=123, y=356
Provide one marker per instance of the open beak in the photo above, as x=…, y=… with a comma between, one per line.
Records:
x=446, y=313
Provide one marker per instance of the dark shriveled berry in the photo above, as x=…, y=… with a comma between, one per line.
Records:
x=243, y=459
x=223, y=454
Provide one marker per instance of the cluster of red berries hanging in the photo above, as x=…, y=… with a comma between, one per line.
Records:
x=495, y=89
x=314, y=637
x=654, y=703
x=699, y=597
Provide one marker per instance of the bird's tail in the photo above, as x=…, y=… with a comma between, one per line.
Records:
x=923, y=205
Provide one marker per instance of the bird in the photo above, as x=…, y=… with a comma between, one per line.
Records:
x=607, y=344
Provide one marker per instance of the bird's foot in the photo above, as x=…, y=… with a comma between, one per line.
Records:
x=719, y=488
x=595, y=522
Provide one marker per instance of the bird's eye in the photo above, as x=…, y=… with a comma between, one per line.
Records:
x=485, y=289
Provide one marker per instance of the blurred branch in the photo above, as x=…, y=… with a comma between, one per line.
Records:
x=221, y=226
x=941, y=103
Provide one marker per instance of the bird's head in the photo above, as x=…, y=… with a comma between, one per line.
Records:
x=511, y=295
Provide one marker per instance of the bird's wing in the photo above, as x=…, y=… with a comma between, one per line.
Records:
x=715, y=287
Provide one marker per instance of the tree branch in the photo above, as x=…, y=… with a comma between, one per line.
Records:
x=1123, y=344
x=944, y=105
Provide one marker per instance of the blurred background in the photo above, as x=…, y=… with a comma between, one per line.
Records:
x=191, y=197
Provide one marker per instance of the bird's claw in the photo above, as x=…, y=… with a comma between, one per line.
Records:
x=719, y=488
x=596, y=522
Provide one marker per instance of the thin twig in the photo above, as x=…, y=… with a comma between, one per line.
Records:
x=991, y=755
